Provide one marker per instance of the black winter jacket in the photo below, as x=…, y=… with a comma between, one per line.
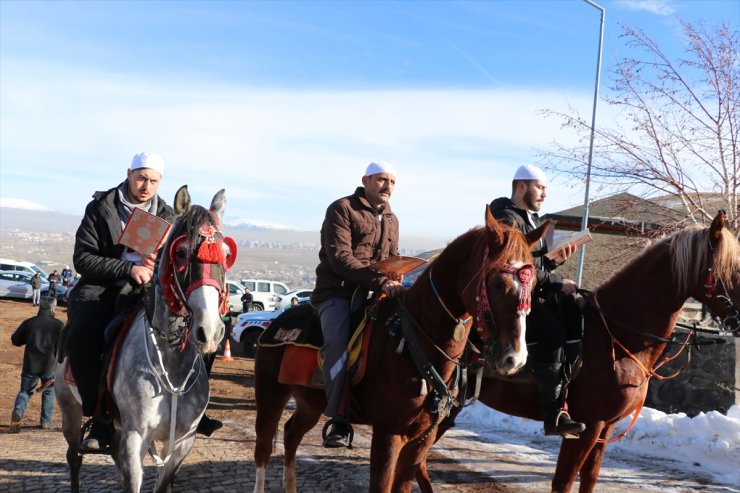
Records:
x=97, y=254
x=503, y=209
x=40, y=335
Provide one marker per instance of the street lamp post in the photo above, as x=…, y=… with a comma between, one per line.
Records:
x=584, y=221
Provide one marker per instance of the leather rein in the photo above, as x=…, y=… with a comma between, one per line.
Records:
x=443, y=395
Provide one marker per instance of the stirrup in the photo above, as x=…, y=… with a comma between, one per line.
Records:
x=337, y=440
x=87, y=427
x=563, y=419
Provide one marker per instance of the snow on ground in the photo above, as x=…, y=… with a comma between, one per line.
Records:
x=705, y=448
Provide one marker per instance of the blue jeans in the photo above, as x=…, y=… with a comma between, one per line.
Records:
x=28, y=386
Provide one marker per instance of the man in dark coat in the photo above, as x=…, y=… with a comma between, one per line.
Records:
x=106, y=267
x=358, y=230
x=40, y=335
x=545, y=329
x=247, y=299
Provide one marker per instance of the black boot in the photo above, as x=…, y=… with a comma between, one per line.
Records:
x=557, y=421
x=340, y=434
x=206, y=426
x=99, y=439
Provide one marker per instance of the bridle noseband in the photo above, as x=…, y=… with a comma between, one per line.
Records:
x=731, y=321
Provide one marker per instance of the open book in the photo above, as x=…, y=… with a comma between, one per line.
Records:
x=144, y=232
x=562, y=240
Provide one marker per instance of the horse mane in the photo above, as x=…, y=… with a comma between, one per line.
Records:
x=473, y=242
x=189, y=223
x=691, y=249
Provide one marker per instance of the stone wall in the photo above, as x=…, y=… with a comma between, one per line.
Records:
x=707, y=384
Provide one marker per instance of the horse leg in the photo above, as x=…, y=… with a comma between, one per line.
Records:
x=422, y=478
x=302, y=420
x=131, y=452
x=271, y=398
x=589, y=472
x=384, y=452
x=573, y=453
x=410, y=461
x=71, y=423
x=166, y=474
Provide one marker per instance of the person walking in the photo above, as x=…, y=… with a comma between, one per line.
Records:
x=40, y=335
x=36, y=289
x=554, y=351
x=358, y=230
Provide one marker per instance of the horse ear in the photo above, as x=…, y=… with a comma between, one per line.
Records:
x=536, y=235
x=218, y=204
x=494, y=229
x=718, y=224
x=182, y=201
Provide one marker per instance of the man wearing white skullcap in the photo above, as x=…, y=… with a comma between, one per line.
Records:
x=105, y=268
x=358, y=230
x=557, y=344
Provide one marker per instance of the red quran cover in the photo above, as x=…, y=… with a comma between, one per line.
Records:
x=144, y=232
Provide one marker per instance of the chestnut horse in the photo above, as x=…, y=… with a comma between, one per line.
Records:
x=487, y=272
x=628, y=320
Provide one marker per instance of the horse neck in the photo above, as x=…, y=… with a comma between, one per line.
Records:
x=422, y=301
x=642, y=296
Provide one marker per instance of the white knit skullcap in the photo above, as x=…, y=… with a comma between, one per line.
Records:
x=530, y=172
x=148, y=160
x=380, y=167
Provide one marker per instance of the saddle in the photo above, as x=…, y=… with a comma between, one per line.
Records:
x=299, y=331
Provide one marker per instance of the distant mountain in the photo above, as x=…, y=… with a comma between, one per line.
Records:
x=35, y=220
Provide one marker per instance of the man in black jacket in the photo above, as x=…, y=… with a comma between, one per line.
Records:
x=40, y=335
x=106, y=267
x=547, y=334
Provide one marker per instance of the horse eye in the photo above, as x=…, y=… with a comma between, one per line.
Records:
x=181, y=253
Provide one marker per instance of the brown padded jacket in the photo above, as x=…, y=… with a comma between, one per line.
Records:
x=353, y=236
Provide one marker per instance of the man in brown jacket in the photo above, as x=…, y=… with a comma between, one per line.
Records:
x=358, y=231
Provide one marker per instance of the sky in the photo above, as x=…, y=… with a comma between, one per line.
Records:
x=284, y=103
x=707, y=445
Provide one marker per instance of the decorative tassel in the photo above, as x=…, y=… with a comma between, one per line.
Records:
x=399, y=349
x=211, y=252
x=423, y=390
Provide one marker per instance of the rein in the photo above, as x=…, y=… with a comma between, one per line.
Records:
x=649, y=373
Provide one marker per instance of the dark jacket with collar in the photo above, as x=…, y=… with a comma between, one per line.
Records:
x=504, y=210
x=353, y=236
x=40, y=335
x=97, y=254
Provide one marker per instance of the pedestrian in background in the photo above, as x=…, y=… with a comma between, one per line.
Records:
x=54, y=280
x=36, y=287
x=247, y=299
x=40, y=335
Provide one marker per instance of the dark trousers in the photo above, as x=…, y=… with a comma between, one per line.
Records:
x=85, y=342
x=546, y=332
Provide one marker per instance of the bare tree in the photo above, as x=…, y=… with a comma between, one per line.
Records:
x=677, y=134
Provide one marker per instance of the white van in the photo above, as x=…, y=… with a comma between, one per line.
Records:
x=9, y=264
x=263, y=292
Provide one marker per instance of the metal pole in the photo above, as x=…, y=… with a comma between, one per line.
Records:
x=584, y=221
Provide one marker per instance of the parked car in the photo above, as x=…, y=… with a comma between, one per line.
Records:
x=250, y=325
x=263, y=292
x=10, y=264
x=284, y=300
x=236, y=291
x=16, y=284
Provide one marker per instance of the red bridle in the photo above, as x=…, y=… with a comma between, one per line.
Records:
x=210, y=251
x=525, y=275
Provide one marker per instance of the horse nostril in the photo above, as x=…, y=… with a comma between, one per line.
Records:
x=200, y=335
x=509, y=362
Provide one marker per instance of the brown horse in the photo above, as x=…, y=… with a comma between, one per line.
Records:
x=628, y=321
x=437, y=311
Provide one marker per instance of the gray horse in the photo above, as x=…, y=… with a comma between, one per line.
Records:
x=159, y=382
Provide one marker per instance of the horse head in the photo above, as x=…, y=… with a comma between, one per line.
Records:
x=714, y=277
x=505, y=294
x=192, y=275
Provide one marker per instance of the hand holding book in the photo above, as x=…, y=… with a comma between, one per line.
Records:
x=558, y=250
